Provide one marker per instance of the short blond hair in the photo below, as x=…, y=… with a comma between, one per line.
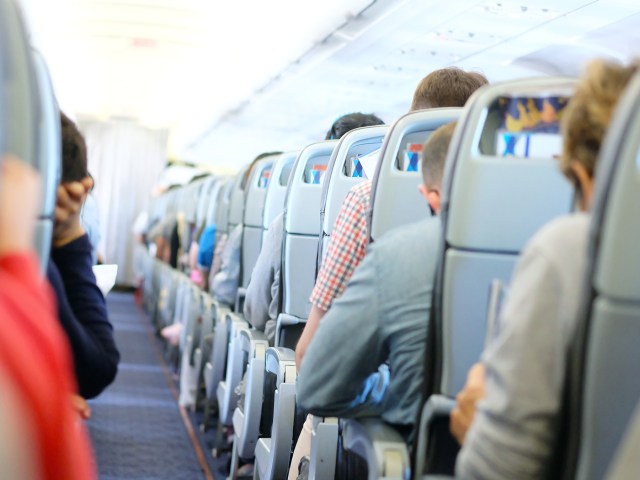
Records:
x=434, y=154
x=588, y=114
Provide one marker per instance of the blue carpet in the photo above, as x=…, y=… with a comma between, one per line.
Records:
x=136, y=427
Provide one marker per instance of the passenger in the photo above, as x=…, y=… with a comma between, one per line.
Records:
x=523, y=372
x=82, y=310
x=263, y=291
x=35, y=362
x=448, y=87
x=381, y=317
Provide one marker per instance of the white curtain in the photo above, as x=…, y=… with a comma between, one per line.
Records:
x=125, y=160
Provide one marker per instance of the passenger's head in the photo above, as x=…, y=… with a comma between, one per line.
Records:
x=434, y=155
x=247, y=174
x=74, y=151
x=586, y=119
x=447, y=87
x=350, y=121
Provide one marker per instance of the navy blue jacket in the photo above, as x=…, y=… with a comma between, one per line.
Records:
x=82, y=312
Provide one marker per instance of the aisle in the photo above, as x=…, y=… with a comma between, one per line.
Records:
x=136, y=426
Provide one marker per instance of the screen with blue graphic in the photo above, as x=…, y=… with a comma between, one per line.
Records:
x=263, y=179
x=315, y=169
x=528, y=127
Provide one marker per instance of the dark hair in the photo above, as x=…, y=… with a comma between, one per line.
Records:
x=74, y=151
x=447, y=87
x=247, y=174
x=350, y=121
x=434, y=154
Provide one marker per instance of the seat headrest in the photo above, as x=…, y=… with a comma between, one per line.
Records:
x=277, y=189
x=502, y=182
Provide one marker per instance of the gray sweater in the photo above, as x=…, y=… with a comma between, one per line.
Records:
x=381, y=317
x=515, y=424
x=261, y=301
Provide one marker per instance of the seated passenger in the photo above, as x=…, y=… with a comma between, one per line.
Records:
x=263, y=291
x=36, y=369
x=82, y=310
x=381, y=317
x=448, y=87
x=523, y=372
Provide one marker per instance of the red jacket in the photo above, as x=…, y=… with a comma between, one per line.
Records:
x=35, y=355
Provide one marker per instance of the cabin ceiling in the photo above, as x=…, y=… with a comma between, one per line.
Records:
x=232, y=79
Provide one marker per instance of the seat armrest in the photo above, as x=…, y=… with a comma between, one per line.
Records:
x=241, y=294
x=383, y=448
x=283, y=322
x=437, y=409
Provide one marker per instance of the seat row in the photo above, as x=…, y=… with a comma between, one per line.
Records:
x=492, y=204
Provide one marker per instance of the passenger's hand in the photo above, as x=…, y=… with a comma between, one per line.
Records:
x=71, y=196
x=465, y=409
x=81, y=406
x=19, y=199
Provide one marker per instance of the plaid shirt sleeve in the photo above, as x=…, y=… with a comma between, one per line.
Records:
x=347, y=247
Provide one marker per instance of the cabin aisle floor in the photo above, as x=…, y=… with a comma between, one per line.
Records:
x=136, y=426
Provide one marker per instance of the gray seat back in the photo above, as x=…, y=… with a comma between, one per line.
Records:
x=608, y=355
x=491, y=205
x=236, y=199
x=395, y=199
x=256, y=190
x=344, y=172
x=277, y=189
x=29, y=121
x=219, y=206
x=302, y=226
x=204, y=200
x=48, y=161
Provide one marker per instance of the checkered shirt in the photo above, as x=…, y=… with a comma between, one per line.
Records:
x=347, y=247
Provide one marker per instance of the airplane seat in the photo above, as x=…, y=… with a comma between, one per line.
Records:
x=236, y=199
x=300, y=244
x=30, y=122
x=301, y=226
x=501, y=155
x=246, y=420
x=48, y=160
x=256, y=190
x=226, y=394
x=273, y=450
x=205, y=198
x=221, y=214
x=344, y=172
x=395, y=199
x=277, y=188
x=202, y=350
x=604, y=390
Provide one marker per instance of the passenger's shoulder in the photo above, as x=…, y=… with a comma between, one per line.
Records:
x=562, y=232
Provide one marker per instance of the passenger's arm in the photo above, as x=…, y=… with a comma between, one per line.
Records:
x=309, y=331
x=336, y=376
x=260, y=292
x=465, y=409
x=83, y=314
x=346, y=249
x=515, y=424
